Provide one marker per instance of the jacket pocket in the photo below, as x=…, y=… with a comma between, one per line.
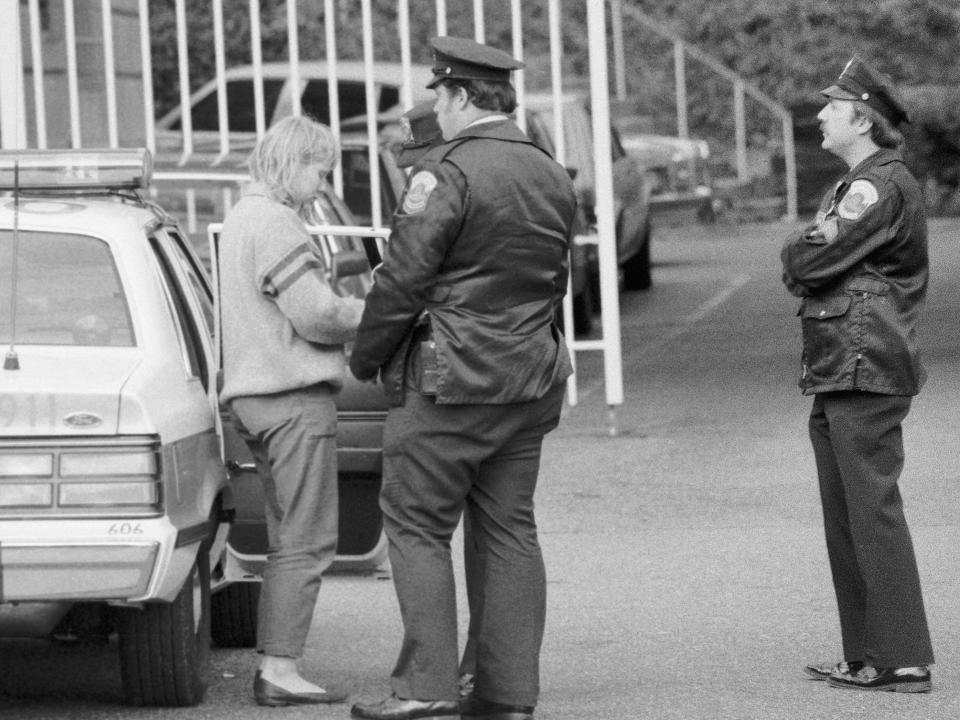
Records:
x=825, y=308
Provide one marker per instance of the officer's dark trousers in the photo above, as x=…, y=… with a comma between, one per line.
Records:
x=858, y=444
x=437, y=460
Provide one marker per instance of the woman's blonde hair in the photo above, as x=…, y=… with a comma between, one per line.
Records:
x=287, y=146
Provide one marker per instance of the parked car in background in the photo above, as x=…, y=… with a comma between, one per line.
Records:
x=630, y=186
x=278, y=93
x=678, y=171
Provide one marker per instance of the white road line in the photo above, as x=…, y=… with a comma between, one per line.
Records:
x=679, y=329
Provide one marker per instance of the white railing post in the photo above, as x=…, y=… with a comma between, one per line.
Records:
x=293, y=53
x=333, y=94
x=36, y=61
x=373, y=147
x=223, y=117
x=619, y=62
x=73, y=90
x=740, y=119
x=109, y=72
x=790, y=167
x=146, y=72
x=680, y=79
x=183, y=72
x=609, y=290
x=479, y=28
x=13, y=131
x=256, y=57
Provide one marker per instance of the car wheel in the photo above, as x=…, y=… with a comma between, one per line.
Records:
x=636, y=270
x=165, y=647
x=233, y=618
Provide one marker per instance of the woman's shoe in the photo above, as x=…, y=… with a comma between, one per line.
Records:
x=270, y=695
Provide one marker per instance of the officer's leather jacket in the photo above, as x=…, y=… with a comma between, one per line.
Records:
x=479, y=251
x=864, y=285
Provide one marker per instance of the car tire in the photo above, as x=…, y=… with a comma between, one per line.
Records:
x=165, y=647
x=233, y=617
x=636, y=270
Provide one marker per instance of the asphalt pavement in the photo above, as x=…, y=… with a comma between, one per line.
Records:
x=687, y=570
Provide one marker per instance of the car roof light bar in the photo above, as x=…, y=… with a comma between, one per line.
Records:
x=74, y=170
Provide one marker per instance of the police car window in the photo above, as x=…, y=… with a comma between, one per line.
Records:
x=193, y=344
x=198, y=284
x=68, y=292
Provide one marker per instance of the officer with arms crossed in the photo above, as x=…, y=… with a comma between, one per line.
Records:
x=460, y=326
x=861, y=271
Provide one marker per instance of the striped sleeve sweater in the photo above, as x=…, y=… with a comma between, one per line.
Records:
x=282, y=325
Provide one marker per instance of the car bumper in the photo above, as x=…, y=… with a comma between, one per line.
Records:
x=134, y=560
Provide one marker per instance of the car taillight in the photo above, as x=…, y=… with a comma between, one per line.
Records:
x=26, y=465
x=106, y=478
x=81, y=477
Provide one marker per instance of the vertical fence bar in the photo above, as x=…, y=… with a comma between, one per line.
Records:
x=479, y=28
x=516, y=23
x=109, y=71
x=403, y=27
x=70, y=43
x=616, y=29
x=740, y=118
x=256, y=57
x=333, y=96
x=223, y=117
x=441, y=17
x=36, y=55
x=13, y=133
x=293, y=50
x=183, y=71
x=373, y=148
x=146, y=72
x=556, y=85
x=680, y=80
x=609, y=291
x=790, y=167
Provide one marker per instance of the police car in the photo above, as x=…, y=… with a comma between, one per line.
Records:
x=124, y=502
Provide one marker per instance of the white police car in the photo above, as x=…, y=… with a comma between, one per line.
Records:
x=114, y=499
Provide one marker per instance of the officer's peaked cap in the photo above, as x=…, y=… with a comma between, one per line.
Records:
x=859, y=81
x=462, y=59
x=420, y=133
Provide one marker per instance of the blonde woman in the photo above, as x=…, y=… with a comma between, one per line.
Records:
x=283, y=362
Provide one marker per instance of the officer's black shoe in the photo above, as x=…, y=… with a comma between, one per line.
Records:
x=821, y=671
x=476, y=708
x=394, y=708
x=905, y=680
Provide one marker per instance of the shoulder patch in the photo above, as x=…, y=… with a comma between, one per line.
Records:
x=418, y=192
x=861, y=195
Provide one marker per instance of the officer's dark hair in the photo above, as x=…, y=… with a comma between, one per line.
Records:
x=486, y=94
x=882, y=131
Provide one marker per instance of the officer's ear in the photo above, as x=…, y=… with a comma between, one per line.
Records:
x=461, y=97
x=861, y=121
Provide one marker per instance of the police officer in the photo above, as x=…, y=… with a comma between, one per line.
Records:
x=460, y=326
x=861, y=271
x=419, y=133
